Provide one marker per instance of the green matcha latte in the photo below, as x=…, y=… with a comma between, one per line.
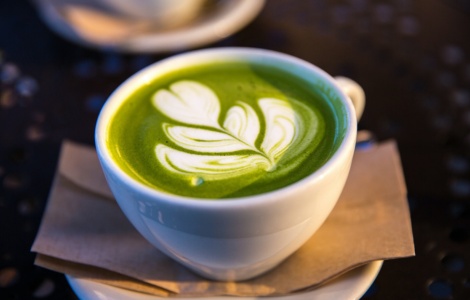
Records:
x=223, y=130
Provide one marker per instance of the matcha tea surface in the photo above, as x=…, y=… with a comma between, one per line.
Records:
x=223, y=131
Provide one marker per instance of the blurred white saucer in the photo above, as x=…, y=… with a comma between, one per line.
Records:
x=93, y=26
x=350, y=286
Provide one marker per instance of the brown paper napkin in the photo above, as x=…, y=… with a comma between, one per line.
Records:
x=85, y=234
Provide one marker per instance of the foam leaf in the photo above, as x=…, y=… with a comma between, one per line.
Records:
x=211, y=167
x=203, y=140
x=189, y=102
x=281, y=127
x=242, y=122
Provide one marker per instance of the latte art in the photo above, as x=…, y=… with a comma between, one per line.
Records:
x=195, y=104
x=223, y=130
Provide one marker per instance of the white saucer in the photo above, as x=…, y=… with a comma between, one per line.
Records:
x=94, y=28
x=350, y=286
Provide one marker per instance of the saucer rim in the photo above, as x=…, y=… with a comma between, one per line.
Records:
x=358, y=280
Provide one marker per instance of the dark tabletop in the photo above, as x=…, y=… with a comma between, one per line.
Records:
x=412, y=57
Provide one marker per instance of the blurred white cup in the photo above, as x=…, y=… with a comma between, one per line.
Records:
x=167, y=13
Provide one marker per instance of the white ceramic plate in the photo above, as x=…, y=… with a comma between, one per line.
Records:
x=77, y=25
x=350, y=286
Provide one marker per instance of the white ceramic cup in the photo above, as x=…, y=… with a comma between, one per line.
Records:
x=234, y=239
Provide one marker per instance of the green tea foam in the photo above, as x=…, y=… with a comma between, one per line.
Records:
x=222, y=131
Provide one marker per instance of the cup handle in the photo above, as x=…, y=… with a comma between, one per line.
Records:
x=354, y=91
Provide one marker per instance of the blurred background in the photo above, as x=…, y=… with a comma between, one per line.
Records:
x=412, y=57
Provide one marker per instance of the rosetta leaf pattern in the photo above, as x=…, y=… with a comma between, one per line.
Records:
x=219, y=152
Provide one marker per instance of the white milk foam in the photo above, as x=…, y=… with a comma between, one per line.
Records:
x=290, y=126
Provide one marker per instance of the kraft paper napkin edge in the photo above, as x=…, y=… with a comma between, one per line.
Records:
x=402, y=181
x=101, y=275
x=72, y=169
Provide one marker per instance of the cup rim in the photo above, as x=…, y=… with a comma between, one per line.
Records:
x=136, y=80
